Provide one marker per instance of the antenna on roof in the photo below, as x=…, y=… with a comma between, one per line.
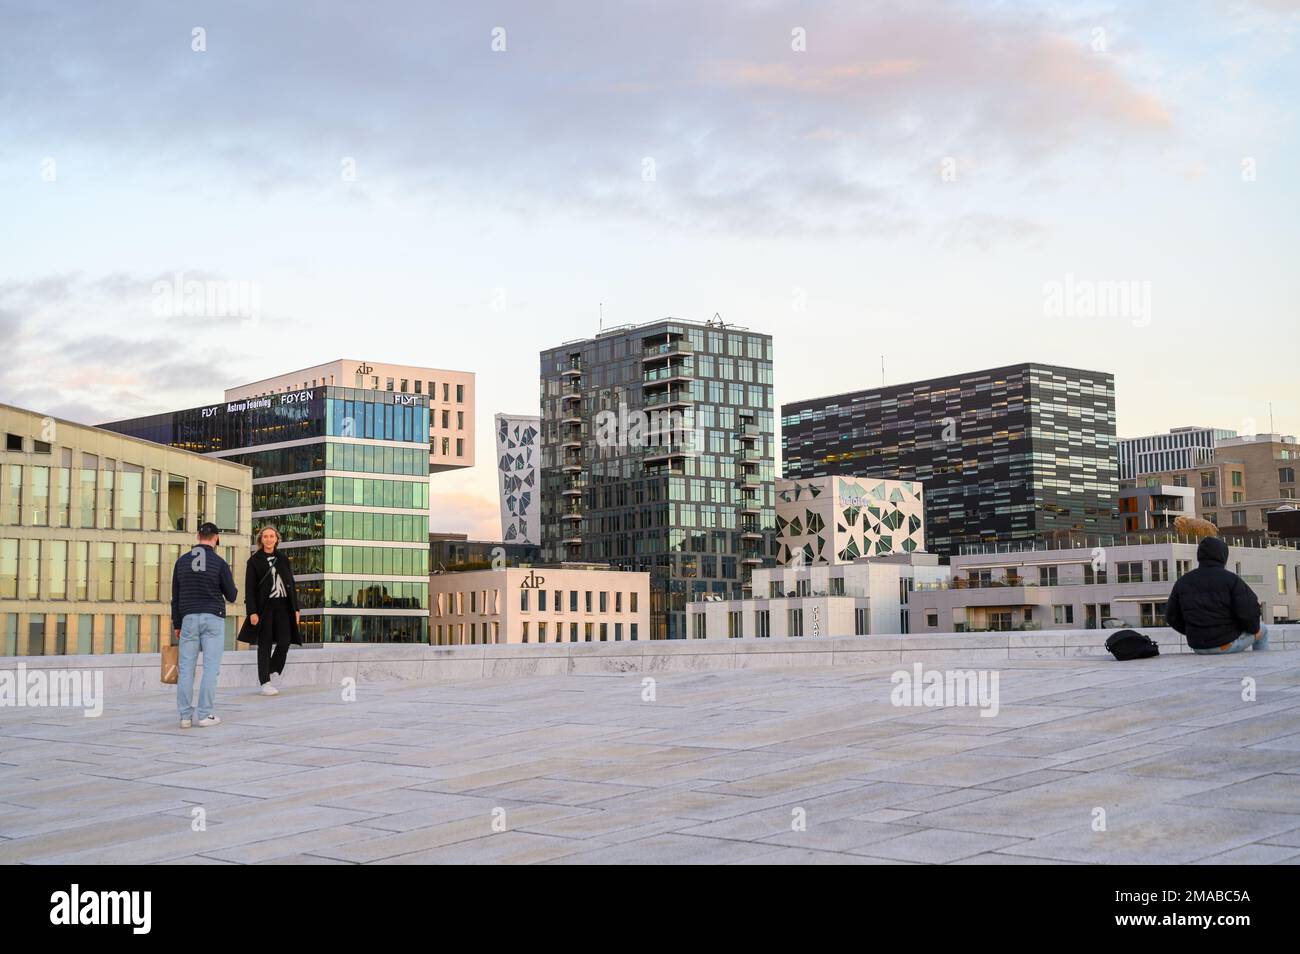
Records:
x=601, y=325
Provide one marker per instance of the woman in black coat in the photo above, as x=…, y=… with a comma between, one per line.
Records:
x=272, y=606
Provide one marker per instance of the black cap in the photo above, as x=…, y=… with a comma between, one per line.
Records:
x=209, y=529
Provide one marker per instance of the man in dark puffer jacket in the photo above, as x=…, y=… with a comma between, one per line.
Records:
x=1213, y=607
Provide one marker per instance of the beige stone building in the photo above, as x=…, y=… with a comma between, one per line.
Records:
x=91, y=524
x=1248, y=477
x=543, y=604
x=451, y=399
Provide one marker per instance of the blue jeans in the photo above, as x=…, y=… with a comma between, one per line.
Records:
x=207, y=632
x=1240, y=644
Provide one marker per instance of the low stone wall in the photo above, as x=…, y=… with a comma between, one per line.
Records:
x=330, y=665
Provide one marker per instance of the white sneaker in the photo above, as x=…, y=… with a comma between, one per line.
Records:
x=277, y=679
x=186, y=723
x=210, y=720
x=269, y=690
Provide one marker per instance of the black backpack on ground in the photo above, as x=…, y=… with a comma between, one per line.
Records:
x=1130, y=644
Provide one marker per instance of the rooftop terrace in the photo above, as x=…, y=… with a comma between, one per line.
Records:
x=746, y=751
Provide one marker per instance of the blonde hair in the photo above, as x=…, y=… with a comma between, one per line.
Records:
x=261, y=533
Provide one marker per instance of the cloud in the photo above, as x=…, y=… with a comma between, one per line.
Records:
x=94, y=349
x=561, y=122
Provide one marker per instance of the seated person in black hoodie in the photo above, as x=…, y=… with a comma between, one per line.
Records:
x=1213, y=607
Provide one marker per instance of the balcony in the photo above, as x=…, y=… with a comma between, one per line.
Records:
x=749, y=480
x=673, y=397
x=748, y=432
x=665, y=352
x=573, y=540
x=749, y=455
x=750, y=505
x=750, y=531
x=668, y=451
x=664, y=376
x=571, y=464
x=570, y=418
x=571, y=514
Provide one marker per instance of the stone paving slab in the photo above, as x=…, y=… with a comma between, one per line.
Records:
x=735, y=765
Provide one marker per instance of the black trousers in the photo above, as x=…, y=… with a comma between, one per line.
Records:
x=277, y=631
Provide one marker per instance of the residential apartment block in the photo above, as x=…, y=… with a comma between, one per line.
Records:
x=91, y=525
x=1127, y=583
x=519, y=456
x=657, y=456
x=1246, y=478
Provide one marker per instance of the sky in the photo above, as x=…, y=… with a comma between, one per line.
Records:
x=944, y=186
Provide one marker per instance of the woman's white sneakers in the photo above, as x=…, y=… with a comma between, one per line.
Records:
x=269, y=690
x=210, y=720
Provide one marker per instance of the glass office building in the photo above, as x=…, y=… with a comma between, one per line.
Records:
x=1011, y=453
x=343, y=473
x=657, y=455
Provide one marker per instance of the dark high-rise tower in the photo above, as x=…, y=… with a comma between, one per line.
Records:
x=1006, y=454
x=658, y=455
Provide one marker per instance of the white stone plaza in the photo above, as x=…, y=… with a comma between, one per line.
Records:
x=754, y=751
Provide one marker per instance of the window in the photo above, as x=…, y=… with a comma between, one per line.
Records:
x=587, y=600
x=1236, y=478
x=1238, y=518
x=861, y=627
x=1153, y=614
x=573, y=601
x=1159, y=571
x=1182, y=566
x=604, y=601
x=523, y=603
x=604, y=632
x=1047, y=576
x=8, y=569
x=460, y=394
x=1129, y=572
x=631, y=602
x=632, y=630
x=1094, y=576
x=1208, y=479
x=735, y=628
x=1281, y=578
x=541, y=601
x=227, y=509
x=14, y=442
x=59, y=570
x=795, y=621
x=104, y=570
x=1286, y=475
x=33, y=569
x=618, y=601
x=14, y=510
x=762, y=624
x=541, y=627
x=1063, y=615
x=40, y=497
x=176, y=492
x=1209, y=500
x=701, y=626
x=587, y=630
x=932, y=618
x=525, y=631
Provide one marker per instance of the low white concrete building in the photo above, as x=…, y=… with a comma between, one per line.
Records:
x=869, y=596
x=1083, y=587
x=569, y=603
